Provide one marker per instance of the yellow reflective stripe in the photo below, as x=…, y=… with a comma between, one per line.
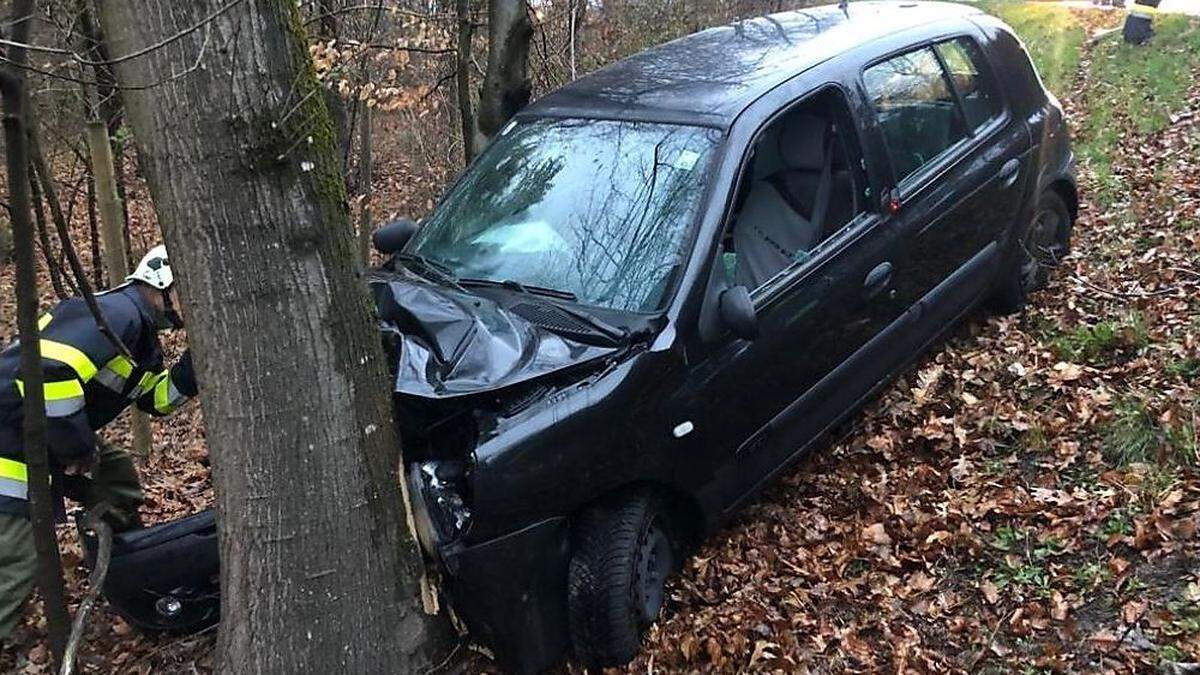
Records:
x=166, y=398
x=162, y=398
x=44, y=321
x=120, y=365
x=147, y=382
x=64, y=353
x=13, y=470
x=56, y=391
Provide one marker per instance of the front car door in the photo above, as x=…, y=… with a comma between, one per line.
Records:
x=756, y=397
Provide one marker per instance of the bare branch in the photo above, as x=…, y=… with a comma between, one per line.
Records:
x=134, y=87
x=368, y=8
x=104, y=536
x=132, y=55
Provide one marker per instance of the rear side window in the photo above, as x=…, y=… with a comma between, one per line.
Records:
x=965, y=63
x=916, y=108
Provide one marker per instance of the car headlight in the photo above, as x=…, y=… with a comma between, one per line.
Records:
x=439, y=512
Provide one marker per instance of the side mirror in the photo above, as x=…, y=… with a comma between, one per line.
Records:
x=394, y=235
x=737, y=312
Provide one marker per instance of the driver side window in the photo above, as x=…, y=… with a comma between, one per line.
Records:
x=803, y=183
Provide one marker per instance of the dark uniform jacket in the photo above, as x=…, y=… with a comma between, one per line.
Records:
x=88, y=382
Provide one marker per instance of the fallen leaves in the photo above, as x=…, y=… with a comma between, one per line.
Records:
x=876, y=534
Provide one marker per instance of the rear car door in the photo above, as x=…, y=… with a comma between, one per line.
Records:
x=959, y=167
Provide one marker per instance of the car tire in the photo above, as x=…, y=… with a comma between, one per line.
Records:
x=623, y=552
x=1041, y=246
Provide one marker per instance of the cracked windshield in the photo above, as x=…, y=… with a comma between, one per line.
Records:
x=596, y=208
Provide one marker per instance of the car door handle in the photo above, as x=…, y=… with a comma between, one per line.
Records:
x=1010, y=171
x=878, y=279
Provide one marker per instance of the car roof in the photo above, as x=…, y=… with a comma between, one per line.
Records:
x=711, y=76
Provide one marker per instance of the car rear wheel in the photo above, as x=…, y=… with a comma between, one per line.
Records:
x=1042, y=246
x=624, y=550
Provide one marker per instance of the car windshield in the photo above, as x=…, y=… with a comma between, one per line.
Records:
x=597, y=208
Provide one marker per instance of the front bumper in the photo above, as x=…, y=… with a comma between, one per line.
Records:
x=512, y=594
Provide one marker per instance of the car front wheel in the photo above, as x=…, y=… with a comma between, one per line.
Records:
x=624, y=550
x=1040, y=247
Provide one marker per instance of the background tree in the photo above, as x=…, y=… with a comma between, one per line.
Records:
x=506, y=87
x=319, y=571
x=14, y=102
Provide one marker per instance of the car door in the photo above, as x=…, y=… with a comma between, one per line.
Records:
x=757, y=398
x=959, y=163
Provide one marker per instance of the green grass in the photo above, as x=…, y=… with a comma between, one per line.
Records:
x=1132, y=436
x=1135, y=88
x=1051, y=33
x=1136, y=436
x=1100, y=343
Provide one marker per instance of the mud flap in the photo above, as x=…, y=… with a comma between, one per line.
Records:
x=165, y=577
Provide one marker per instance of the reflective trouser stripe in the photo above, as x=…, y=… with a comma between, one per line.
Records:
x=14, y=478
x=62, y=398
x=146, y=384
x=166, y=397
x=44, y=321
x=65, y=353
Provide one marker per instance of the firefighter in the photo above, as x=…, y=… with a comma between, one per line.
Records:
x=90, y=377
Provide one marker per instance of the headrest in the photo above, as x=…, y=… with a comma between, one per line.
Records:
x=802, y=142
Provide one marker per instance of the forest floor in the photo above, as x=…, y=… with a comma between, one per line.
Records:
x=1026, y=499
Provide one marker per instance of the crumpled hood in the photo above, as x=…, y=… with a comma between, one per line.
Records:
x=453, y=344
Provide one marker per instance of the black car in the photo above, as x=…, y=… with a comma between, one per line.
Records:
x=666, y=281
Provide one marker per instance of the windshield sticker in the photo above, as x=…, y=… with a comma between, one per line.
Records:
x=685, y=160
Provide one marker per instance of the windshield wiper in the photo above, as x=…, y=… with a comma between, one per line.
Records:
x=515, y=285
x=594, y=322
x=434, y=270
x=607, y=329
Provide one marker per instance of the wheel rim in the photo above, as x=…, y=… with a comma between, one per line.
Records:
x=1043, y=247
x=652, y=566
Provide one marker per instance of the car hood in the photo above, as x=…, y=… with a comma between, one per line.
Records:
x=451, y=344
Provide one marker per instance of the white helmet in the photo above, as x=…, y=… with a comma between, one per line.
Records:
x=154, y=269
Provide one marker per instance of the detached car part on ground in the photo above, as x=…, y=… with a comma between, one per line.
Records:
x=666, y=281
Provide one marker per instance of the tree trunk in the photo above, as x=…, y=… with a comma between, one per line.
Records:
x=116, y=258
x=506, y=87
x=43, y=235
x=16, y=140
x=319, y=571
x=6, y=241
x=462, y=77
x=107, y=108
x=364, y=186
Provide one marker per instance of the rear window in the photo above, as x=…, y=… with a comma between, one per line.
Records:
x=965, y=63
x=916, y=109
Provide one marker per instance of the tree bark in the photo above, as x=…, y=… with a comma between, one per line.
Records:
x=364, y=186
x=462, y=77
x=116, y=258
x=319, y=571
x=16, y=140
x=506, y=87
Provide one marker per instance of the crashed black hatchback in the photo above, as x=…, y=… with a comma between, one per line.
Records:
x=666, y=281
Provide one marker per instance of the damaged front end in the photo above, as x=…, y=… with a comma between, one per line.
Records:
x=483, y=386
